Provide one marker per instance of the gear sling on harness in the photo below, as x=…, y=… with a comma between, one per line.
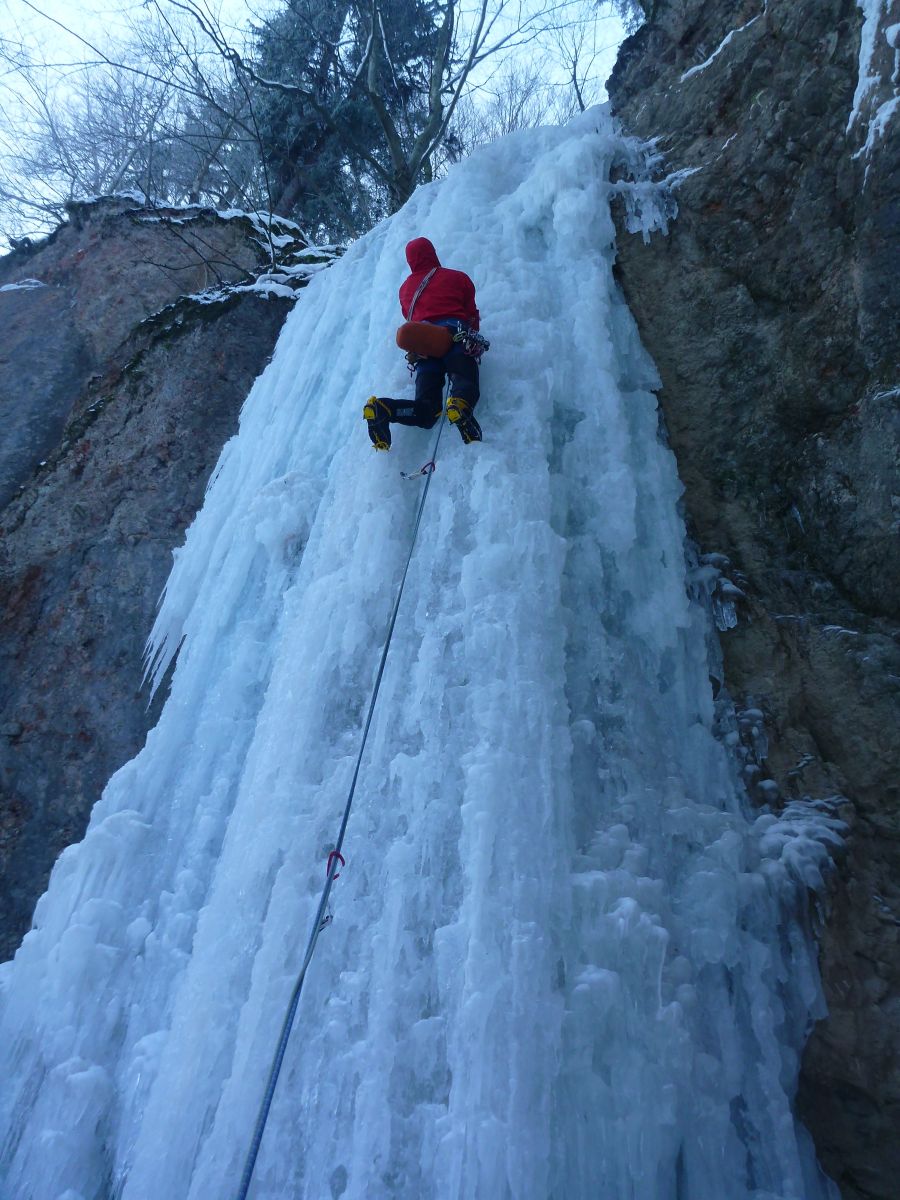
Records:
x=335, y=859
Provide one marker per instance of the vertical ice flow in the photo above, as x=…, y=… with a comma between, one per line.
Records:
x=566, y=961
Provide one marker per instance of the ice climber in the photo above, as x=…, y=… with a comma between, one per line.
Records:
x=433, y=295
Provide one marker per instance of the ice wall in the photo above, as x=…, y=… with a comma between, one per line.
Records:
x=565, y=961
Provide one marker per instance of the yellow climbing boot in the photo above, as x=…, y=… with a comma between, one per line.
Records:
x=459, y=413
x=378, y=414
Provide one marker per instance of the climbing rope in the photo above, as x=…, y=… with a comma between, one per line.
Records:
x=335, y=859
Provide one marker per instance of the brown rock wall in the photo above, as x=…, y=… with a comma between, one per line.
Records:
x=772, y=310
x=112, y=266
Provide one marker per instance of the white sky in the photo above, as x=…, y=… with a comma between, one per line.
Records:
x=91, y=18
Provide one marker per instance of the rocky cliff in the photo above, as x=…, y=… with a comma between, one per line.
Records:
x=129, y=347
x=772, y=310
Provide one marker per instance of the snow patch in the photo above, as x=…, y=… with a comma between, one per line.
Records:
x=878, y=125
x=725, y=42
x=23, y=285
x=881, y=112
x=866, y=78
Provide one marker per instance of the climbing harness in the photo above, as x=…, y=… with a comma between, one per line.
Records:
x=473, y=343
x=324, y=916
x=469, y=340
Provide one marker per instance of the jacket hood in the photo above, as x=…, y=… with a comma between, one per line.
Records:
x=421, y=255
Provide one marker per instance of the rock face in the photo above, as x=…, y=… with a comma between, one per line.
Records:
x=118, y=395
x=70, y=303
x=772, y=310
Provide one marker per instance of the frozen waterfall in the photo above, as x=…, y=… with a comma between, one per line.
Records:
x=567, y=959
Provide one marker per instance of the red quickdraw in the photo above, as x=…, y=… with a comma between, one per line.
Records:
x=335, y=854
x=426, y=470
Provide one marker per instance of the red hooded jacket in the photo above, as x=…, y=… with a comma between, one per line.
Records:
x=448, y=293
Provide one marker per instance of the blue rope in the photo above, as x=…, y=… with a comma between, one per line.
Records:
x=333, y=860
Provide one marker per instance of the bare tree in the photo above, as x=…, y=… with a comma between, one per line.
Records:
x=153, y=116
x=90, y=134
x=526, y=91
x=517, y=96
x=578, y=48
x=337, y=108
x=368, y=63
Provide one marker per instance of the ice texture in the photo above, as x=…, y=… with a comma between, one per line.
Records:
x=708, y=582
x=566, y=958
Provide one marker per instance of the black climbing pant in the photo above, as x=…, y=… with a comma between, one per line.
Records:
x=425, y=410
